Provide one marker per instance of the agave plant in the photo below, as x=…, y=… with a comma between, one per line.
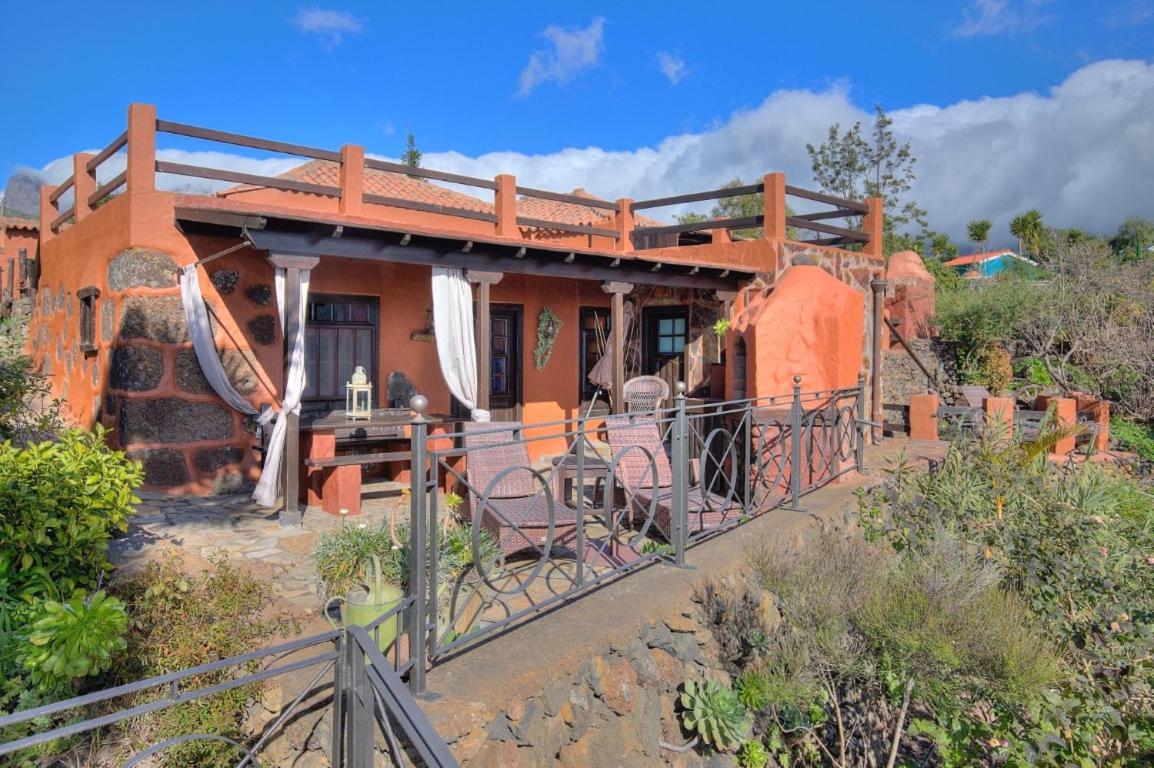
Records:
x=752, y=754
x=714, y=713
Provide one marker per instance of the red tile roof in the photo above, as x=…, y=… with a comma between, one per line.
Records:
x=19, y=222
x=978, y=258
x=385, y=183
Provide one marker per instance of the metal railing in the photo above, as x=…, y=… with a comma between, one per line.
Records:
x=368, y=705
x=660, y=482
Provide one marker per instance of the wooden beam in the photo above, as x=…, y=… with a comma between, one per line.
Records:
x=484, y=282
x=617, y=321
x=490, y=257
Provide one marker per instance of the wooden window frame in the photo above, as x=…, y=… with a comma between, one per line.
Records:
x=87, y=317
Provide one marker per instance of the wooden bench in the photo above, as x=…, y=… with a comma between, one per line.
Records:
x=338, y=481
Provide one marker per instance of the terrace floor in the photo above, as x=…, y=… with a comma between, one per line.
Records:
x=197, y=529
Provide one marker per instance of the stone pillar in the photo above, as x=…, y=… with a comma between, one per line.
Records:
x=1000, y=411
x=1065, y=416
x=83, y=185
x=352, y=179
x=773, y=200
x=505, y=203
x=924, y=417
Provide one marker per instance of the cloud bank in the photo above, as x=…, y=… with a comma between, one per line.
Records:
x=1082, y=153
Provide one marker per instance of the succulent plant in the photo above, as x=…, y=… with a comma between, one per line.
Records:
x=752, y=755
x=714, y=713
x=752, y=689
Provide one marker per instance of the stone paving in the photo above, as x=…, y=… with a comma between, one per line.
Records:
x=205, y=526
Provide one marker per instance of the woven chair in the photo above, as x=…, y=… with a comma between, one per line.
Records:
x=645, y=482
x=645, y=393
x=517, y=511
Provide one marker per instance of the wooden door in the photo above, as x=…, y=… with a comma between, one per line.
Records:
x=505, y=362
x=666, y=332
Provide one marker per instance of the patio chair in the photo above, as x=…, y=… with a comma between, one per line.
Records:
x=645, y=393
x=647, y=483
x=517, y=511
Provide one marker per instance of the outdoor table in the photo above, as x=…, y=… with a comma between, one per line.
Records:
x=333, y=483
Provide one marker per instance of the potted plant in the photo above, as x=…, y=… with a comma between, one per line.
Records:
x=359, y=569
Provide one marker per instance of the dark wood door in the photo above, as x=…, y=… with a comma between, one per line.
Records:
x=666, y=332
x=505, y=362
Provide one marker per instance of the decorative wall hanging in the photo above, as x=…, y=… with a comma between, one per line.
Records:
x=548, y=328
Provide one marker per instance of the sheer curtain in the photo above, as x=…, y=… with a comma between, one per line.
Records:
x=456, y=345
x=266, y=488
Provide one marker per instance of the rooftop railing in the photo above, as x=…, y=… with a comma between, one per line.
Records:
x=610, y=226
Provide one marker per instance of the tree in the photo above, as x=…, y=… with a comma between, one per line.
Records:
x=1030, y=229
x=1133, y=239
x=412, y=155
x=979, y=233
x=850, y=165
x=940, y=245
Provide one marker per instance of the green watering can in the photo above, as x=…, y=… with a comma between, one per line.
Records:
x=363, y=606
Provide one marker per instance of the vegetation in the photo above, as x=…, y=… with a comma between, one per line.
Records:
x=411, y=156
x=1030, y=231
x=978, y=231
x=713, y=713
x=28, y=413
x=738, y=207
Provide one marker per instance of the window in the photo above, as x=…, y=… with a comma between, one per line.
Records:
x=88, y=297
x=670, y=335
x=340, y=334
x=666, y=334
x=596, y=337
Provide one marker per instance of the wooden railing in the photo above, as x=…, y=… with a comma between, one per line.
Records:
x=138, y=143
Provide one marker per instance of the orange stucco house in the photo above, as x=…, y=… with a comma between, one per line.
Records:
x=109, y=329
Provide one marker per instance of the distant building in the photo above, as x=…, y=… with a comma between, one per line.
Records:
x=987, y=264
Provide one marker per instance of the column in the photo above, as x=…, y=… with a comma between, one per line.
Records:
x=877, y=331
x=484, y=282
x=617, y=320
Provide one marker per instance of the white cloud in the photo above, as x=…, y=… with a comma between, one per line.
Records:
x=988, y=18
x=569, y=53
x=672, y=66
x=329, y=25
x=1080, y=153
x=1134, y=13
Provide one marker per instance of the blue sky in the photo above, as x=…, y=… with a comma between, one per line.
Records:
x=541, y=85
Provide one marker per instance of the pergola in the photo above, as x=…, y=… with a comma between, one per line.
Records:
x=296, y=243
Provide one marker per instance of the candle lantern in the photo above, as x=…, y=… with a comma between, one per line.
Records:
x=359, y=395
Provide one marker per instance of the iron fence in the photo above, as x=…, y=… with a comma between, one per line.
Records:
x=370, y=708
x=622, y=492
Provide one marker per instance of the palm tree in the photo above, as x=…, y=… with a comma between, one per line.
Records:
x=1029, y=229
x=979, y=232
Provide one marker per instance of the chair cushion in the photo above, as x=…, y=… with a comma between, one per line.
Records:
x=635, y=470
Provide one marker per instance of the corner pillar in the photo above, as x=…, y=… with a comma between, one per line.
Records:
x=484, y=282
x=877, y=331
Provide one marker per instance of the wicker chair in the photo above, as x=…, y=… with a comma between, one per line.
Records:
x=645, y=393
x=517, y=511
x=645, y=482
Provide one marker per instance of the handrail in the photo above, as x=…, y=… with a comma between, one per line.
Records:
x=693, y=197
x=563, y=197
x=427, y=173
x=115, y=146
x=108, y=187
x=743, y=222
x=241, y=140
x=63, y=217
x=416, y=205
x=61, y=189
x=853, y=235
x=822, y=197
x=560, y=226
x=180, y=169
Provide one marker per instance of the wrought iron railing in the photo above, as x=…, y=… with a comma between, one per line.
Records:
x=370, y=708
x=658, y=483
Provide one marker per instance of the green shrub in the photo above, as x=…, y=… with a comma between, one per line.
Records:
x=62, y=502
x=27, y=412
x=752, y=689
x=179, y=620
x=1133, y=436
x=713, y=712
x=73, y=639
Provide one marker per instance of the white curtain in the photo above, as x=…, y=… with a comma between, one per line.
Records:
x=266, y=488
x=456, y=346
x=200, y=330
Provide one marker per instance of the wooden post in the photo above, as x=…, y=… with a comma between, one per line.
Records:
x=505, y=204
x=293, y=266
x=624, y=221
x=484, y=281
x=773, y=201
x=352, y=179
x=617, y=321
x=874, y=226
x=876, y=332
x=140, y=172
x=83, y=185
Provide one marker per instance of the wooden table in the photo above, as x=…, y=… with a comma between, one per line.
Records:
x=333, y=483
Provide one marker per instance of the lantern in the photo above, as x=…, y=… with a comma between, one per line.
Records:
x=359, y=395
